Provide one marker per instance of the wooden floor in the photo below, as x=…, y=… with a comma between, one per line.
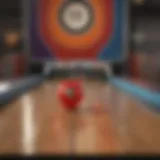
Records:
x=36, y=123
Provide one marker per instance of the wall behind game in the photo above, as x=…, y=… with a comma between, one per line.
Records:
x=146, y=38
x=11, y=44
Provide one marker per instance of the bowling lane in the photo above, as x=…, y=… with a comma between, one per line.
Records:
x=136, y=121
x=36, y=123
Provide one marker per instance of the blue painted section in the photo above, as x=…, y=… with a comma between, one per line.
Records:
x=20, y=88
x=142, y=94
x=115, y=49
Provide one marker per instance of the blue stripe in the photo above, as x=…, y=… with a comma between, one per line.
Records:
x=114, y=50
x=150, y=97
x=20, y=88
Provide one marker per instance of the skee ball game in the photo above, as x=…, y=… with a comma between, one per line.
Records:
x=62, y=31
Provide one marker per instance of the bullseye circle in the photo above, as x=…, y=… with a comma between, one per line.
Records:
x=68, y=37
x=76, y=17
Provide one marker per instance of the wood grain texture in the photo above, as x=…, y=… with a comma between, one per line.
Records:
x=107, y=122
x=137, y=124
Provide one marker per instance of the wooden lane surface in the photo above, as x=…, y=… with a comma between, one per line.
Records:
x=37, y=124
x=136, y=122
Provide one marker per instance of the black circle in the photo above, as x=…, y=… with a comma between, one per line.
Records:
x=87, y=26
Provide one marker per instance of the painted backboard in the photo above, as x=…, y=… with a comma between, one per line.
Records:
x=76, y=29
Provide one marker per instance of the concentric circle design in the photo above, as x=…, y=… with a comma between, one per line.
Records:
x=76, y=17
x=76, y=29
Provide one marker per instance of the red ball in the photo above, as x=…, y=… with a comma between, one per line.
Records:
x=70, y=93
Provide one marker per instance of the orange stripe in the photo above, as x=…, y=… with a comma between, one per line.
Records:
x=81, y=41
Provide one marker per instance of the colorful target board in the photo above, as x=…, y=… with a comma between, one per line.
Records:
x=77, y=29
